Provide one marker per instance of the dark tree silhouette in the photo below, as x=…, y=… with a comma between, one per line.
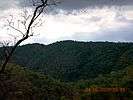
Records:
x=40, y=6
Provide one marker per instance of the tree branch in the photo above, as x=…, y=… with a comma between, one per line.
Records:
x=37, y=12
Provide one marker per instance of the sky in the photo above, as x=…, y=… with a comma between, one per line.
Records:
x=81, y=20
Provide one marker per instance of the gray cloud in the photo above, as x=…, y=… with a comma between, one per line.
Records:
x=68, y=4
x=119, y=34
x=114, y=35
x=6, y=4
x=79, y=4
x=123, y=34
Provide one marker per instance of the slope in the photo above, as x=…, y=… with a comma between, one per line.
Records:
x=72, y=60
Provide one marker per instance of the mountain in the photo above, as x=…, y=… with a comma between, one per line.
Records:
x=72, y=60
x=86, y=66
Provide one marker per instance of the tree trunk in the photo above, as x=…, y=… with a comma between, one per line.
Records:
x=11, y=53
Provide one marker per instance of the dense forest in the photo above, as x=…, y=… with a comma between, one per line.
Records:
x=72, y=61
x=65, y=69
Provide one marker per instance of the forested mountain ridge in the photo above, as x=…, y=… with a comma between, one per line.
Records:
x=72, y=60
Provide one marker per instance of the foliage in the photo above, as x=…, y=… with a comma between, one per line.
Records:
x=72, y=61
x=21, y=84
x=64, y=70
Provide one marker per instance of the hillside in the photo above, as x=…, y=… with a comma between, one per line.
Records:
x=18, y=83
x=83, y=66
x=72, y=61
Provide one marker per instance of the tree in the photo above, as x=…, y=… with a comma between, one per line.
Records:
x=40, y=6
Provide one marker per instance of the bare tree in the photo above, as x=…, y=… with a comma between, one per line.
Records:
x=40, y=6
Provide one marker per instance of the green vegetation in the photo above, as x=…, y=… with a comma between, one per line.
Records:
x=65, y=70
x=72, y=61
x=18, y=83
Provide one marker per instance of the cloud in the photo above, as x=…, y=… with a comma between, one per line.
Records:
x=7, y=4
x=101, y=24
x=121, y=34
x=124, y=33
x=68, y=4
x=79, y=4
x=76, y=20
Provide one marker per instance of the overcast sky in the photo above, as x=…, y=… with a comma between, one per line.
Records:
x=83, y=20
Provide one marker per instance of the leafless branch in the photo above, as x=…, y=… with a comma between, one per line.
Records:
x=39, y=8
x=10, y=24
